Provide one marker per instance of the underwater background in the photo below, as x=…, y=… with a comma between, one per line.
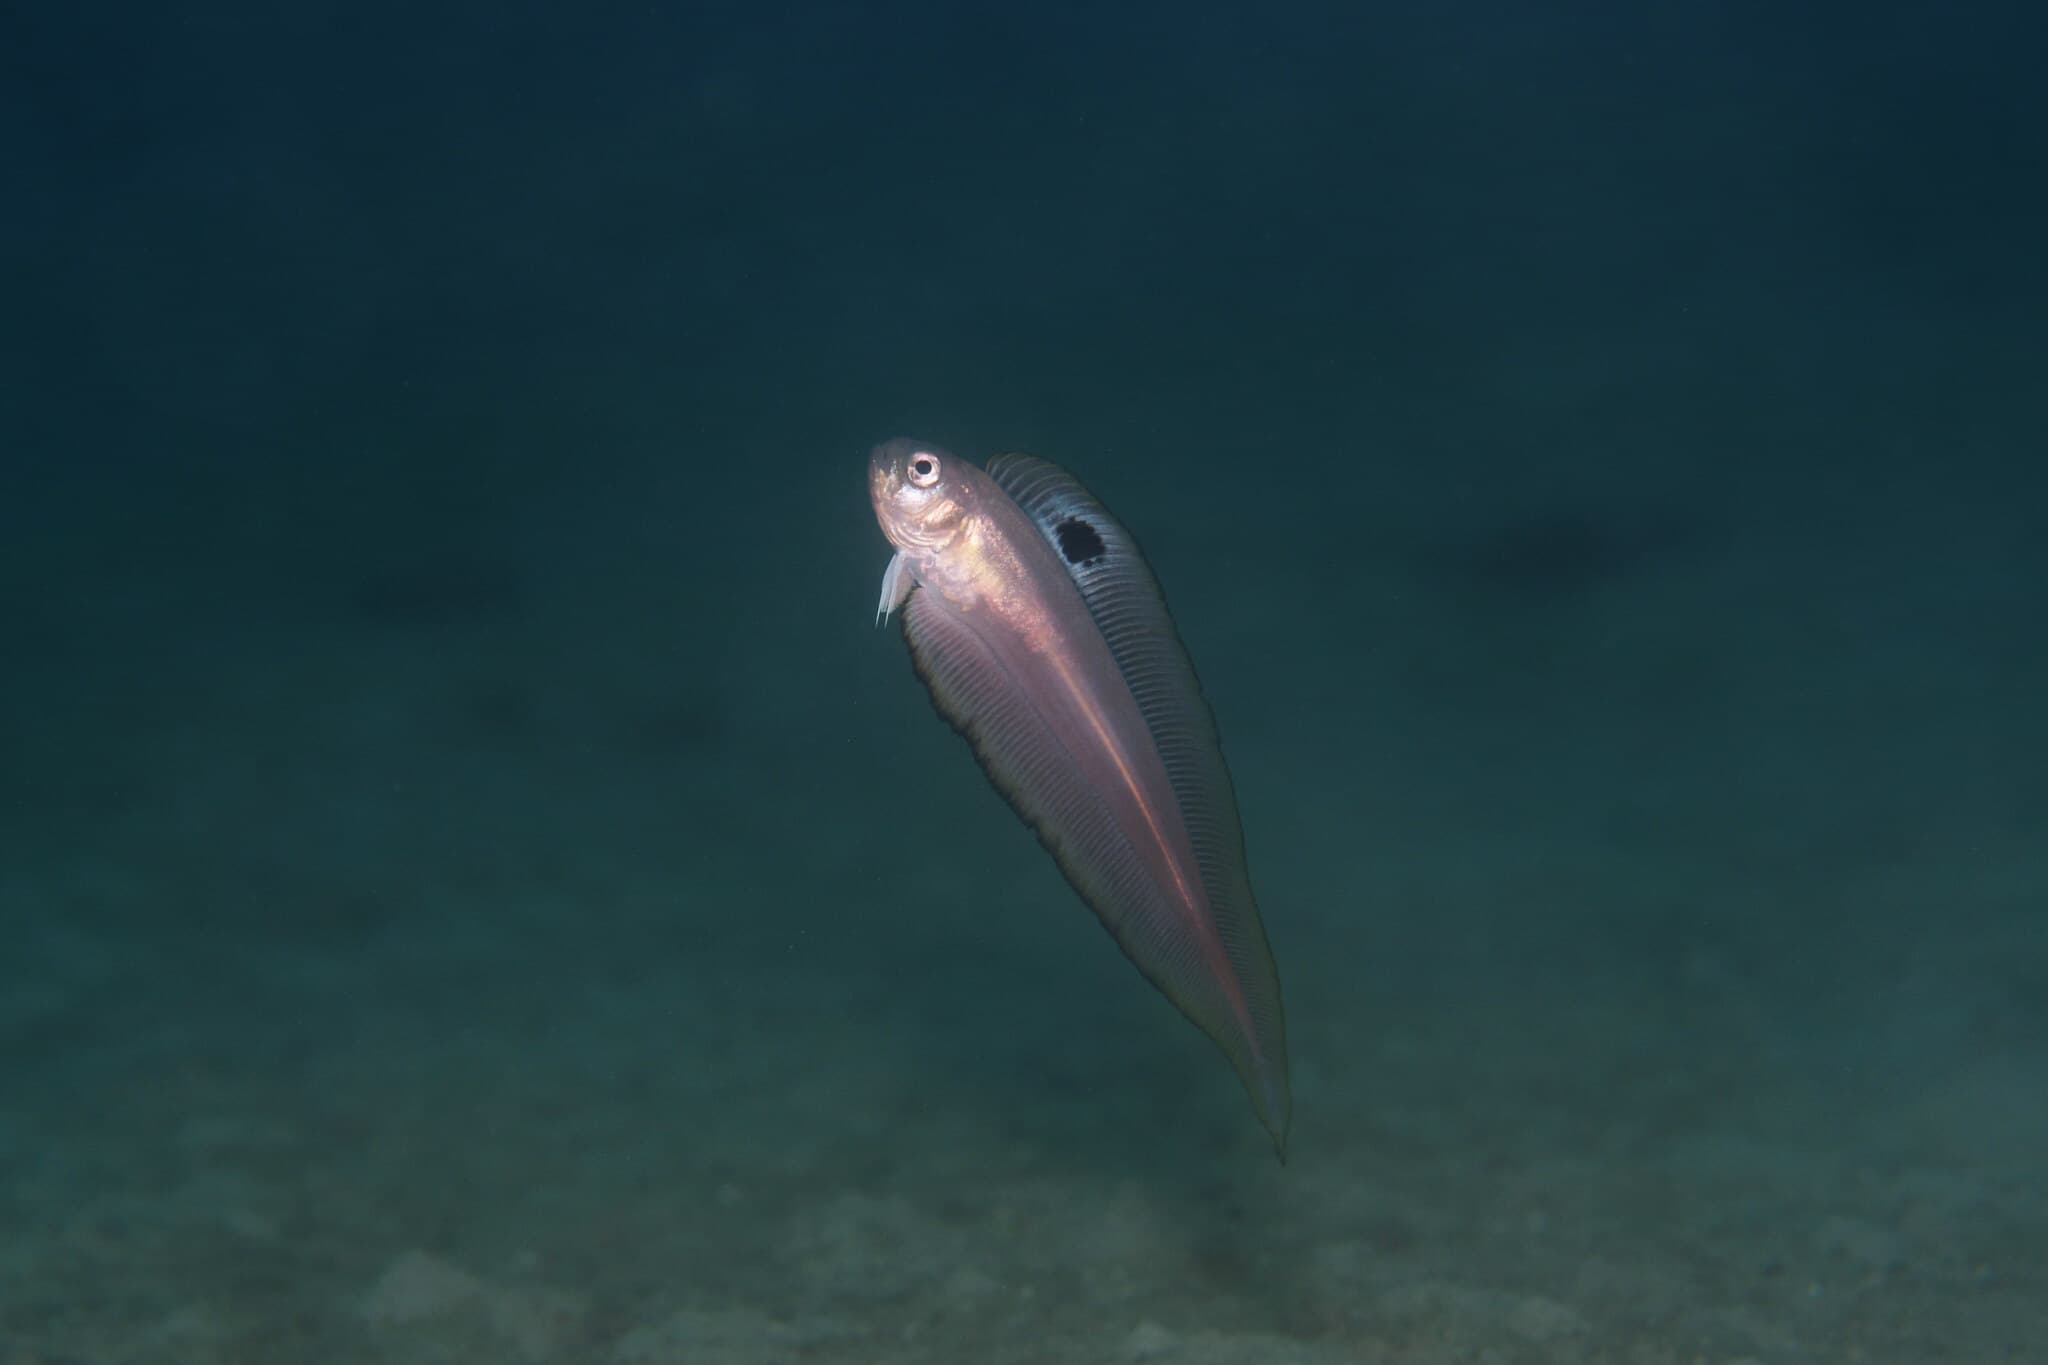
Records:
x=475, y=884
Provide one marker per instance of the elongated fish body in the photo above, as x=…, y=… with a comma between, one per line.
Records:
x=1043, y=638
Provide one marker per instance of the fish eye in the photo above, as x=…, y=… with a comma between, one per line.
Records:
x=924, y=469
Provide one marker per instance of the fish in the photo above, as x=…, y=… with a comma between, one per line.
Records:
x=1043, y=638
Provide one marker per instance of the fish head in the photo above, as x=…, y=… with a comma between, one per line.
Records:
x=923, y=496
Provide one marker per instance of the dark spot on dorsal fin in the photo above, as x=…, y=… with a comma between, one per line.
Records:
x=1079, y=542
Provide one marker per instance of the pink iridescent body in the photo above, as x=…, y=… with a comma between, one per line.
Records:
x=1043, y=638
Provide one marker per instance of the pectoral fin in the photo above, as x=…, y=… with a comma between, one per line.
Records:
x=896, y=585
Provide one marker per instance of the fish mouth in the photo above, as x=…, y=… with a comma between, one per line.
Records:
x=884, y=483
x=887, y=462
x=883, y=476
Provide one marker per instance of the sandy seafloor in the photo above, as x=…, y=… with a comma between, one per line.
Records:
x=454, y=960
x=478, y=889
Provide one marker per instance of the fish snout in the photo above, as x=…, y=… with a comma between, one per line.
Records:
x=916, y=499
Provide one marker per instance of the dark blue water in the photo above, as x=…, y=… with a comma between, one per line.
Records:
x=475, y=885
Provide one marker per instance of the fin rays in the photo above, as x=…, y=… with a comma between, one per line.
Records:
x=1026, y=762
x=1126, y=603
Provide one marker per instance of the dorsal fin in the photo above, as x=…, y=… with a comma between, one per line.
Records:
x=1131, y=612
x=1128, y=608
